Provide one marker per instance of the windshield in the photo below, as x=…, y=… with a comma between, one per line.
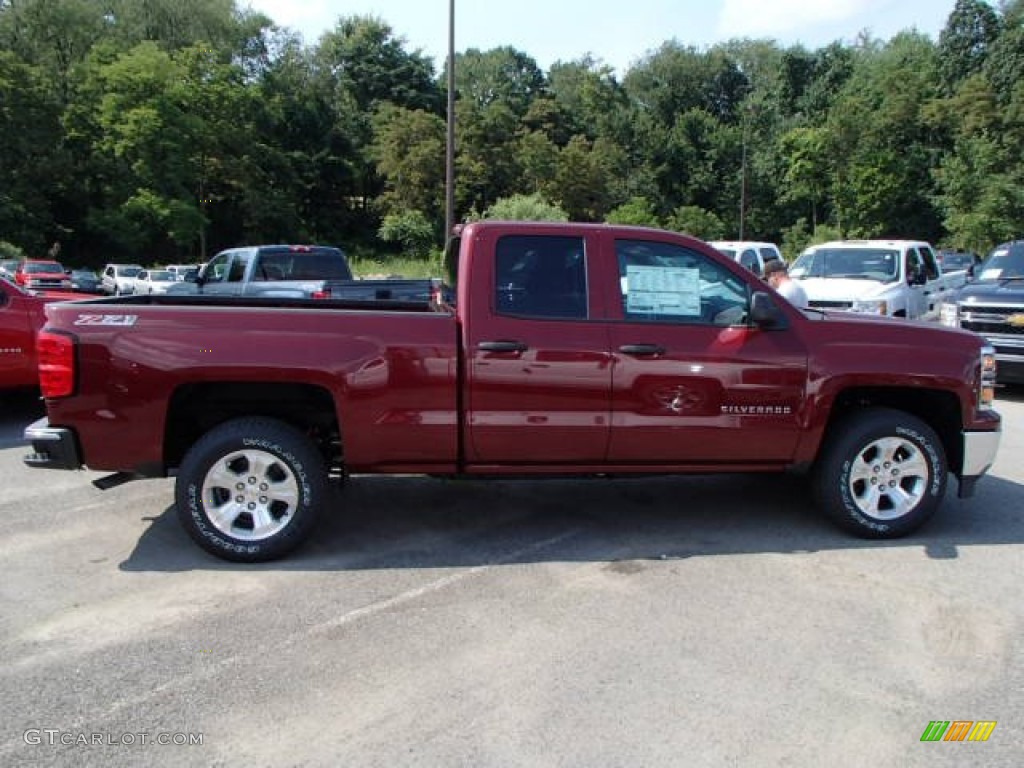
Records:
x=957, y=260
x=1004, y=262
x=129, y=271
x=857, y=263
x=42, y=267
x=162, y=274
x=730, y=252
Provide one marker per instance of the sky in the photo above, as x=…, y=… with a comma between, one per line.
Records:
x=616, y=32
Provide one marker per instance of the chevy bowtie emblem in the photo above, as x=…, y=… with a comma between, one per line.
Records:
x=1016, y=320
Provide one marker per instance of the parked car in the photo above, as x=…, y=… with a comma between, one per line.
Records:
x=150, y=281
x=752, y=255
x=8, y=267
x=40, y=274
x=85, y=281
x=119, y=279
x=993, y=305
x=956, y=261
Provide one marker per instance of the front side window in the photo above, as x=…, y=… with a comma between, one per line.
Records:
x=930, y=267
x=749, y=260
x=217, y=270
x=540, y=276
x=667, y=283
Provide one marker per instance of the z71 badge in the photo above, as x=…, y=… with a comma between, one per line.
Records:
x=106, y=319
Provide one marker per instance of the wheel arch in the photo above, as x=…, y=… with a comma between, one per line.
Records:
x=195, y=409
x=939, y=409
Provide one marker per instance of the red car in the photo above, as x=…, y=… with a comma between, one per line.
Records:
x=42, y=275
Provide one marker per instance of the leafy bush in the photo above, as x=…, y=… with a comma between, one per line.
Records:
x=638, y=212
x=525, y=208
x=698, y=222
x=412, y=230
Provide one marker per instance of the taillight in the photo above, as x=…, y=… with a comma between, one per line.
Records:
x=55, y=353
x=324, y=294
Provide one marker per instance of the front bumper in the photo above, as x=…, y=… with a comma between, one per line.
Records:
x=980, y=450
x=52, y=447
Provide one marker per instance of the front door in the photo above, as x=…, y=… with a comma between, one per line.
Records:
x=693, y=383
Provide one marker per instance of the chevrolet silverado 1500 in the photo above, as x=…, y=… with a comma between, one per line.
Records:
x=572, y=349
x=21, y=317
x=898, y=278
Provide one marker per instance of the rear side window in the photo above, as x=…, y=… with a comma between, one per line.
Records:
x=306, y=264
x=540, y=276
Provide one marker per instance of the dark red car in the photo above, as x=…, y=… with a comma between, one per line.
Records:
x=42, y=275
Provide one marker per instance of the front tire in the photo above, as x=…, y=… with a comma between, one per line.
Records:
x=882, y=474
x=251, y=489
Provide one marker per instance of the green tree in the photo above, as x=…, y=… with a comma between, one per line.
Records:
x=407, y=148
x=696, y=221
x=965, y=41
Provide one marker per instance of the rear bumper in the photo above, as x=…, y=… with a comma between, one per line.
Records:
x=52, y=447
x=980, y=450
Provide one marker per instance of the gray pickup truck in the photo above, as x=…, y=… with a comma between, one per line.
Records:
x=296, y=272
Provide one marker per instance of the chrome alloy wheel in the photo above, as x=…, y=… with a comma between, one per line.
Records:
x=889, y=478
x=250, y=495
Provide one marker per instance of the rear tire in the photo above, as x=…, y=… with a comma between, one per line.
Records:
x=882, y=474
x=251, y=489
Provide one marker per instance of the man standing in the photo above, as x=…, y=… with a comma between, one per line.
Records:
x=777, y=274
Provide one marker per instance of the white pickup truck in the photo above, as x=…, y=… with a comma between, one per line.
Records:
x=898, y=278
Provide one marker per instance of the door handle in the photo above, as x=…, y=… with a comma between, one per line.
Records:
x=502, y=346
x=642, y=350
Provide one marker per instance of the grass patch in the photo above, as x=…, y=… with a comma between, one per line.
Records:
x=397, y=267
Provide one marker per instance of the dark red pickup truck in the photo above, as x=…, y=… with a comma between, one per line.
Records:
x=571, y=349
x=21, y=317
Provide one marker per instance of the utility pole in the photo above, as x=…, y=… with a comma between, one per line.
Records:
x=449, y=168
x=743, y=180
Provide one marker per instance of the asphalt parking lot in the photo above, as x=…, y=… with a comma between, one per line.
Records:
x=667, y=622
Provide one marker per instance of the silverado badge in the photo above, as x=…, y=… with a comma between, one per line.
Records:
x=1016, y=320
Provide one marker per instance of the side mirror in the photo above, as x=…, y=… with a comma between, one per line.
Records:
x=917, y=278
x=765, y=313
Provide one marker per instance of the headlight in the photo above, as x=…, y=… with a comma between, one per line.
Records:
x=987, y=381
x=949, y=314
x=872, y=306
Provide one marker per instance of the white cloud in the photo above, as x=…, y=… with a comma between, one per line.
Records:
x=786, y=18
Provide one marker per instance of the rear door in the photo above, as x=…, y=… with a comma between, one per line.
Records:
x=692, y=383
x=538, y=365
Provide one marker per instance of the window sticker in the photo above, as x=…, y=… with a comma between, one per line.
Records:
x=663, y=290
x=991, y=274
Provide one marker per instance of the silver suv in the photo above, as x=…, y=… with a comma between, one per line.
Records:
x=119, y=279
